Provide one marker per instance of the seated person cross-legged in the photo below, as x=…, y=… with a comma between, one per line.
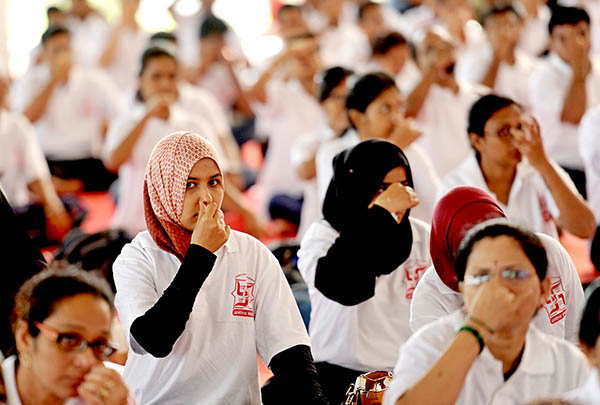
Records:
x=488, y=352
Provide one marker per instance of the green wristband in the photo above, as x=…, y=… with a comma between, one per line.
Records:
x=475, y=333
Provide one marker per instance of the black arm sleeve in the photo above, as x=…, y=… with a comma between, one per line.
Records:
x=347, y=273
x=160, y=327
x=295, y=379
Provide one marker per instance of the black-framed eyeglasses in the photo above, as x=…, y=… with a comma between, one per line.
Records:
x=74, y=342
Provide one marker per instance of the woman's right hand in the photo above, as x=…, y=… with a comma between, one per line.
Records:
x=396, y=199
x=210, y=231
x=103, y=386
x=159, y=107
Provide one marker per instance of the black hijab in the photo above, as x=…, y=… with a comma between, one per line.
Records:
x=358, y=174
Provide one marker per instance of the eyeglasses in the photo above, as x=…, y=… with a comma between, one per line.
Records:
x=511, y=275
x=74, y=342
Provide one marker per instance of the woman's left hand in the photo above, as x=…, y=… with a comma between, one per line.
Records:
x=529, y=142
x=103, y=386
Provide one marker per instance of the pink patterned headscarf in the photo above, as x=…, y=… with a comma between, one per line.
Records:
x=167, y=172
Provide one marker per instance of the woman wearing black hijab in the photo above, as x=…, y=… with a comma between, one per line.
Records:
x=362, y=263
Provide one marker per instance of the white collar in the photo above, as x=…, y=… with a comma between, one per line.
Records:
x=10, y=380
x=557, y=62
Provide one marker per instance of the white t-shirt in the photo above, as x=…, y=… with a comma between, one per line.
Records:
x=129, y=214
x=588, y=394
x=549, y=366
x=425, y=179
x=9, y=374
x=534, y=35
x=589, y=147
x=443, y=121
x=244, y=307
x=366, y=336
x=345, y=45
x=21, y=159
x=88, y=38
x=289, y=114
x=511, y=80
x=71, y=125
x=126, y=62
x=559, y=316
x=530, y=203
x=303, y=150
x=549, y=87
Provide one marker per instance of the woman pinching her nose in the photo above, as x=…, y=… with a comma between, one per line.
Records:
x=199, y=301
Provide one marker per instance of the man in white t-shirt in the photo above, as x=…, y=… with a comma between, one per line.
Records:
x=501, y=66
x=564, y=86
x=24, y=174
x=535, y=193
x=440, y=103
x=375, y=109
x=70, y=107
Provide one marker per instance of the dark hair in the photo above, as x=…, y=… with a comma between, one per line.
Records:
x=531, y=245
x=483, y=109
x=567, y=16
x=384, y=44
x=498, y=10
x=53, y=31
x=38, y=296
x=153, y=52
x=364, y=7
x=287, y=7
x=589, y=327
x=53, y=9
x=367, y=89
x=332, y=77
x=213, y=26
x=163, y=36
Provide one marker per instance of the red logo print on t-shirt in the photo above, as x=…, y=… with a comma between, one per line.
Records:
x=556, y=304
x=546, y=215
x=413, y=273
x=243, y=296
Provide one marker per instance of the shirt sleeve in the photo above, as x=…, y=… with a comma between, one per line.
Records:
x=575, y=300
x=278, y=323
x=141, y=307
x=118, y=130
x=35, y=163
x=417, y=356
x=428, y=303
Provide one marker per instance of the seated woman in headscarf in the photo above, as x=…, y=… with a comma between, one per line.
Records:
x=198, y=301
x=488, y=352
x=437, y=293
x=362, y=263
